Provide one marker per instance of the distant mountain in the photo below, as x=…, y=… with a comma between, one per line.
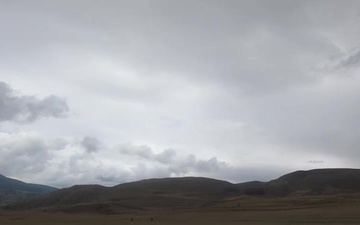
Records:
x=12, y=191
x=190, y=192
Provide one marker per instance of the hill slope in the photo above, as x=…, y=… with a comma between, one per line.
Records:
x=191, y=192
x=315, y=182
x=12, y=190
x=167, y=192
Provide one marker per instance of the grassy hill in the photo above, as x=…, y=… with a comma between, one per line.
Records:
x=194, y=192
x=12, y=191
x=167, y=192
x=315, y=182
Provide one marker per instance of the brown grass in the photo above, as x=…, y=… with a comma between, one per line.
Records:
x=335, y=210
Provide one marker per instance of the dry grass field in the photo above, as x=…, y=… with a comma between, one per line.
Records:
x=335, y=210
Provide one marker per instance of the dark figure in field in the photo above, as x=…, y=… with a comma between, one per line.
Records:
x=131, y=220
x=152, y=219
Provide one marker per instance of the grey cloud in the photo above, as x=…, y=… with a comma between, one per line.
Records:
x=191, y=164
x=37, y=159
x=209, y=165
x=175, y=164
x=212, y=42
x=238, y=80
x=28, y=108
x=351, y=61
x=166, y=156
x=91, y=144
x=146, y=152
x=23, y=154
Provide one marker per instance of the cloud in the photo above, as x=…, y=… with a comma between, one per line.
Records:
x=63, y=162
x=230, y=89
x=23, y=154
x=29, y=108
x=352, y=61
x=192, y=164
x=59, y=162
x=229, y=40
x=174, y=164
x=91, y=144
x=145, y=152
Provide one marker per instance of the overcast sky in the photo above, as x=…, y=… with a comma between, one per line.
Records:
x=111, y=91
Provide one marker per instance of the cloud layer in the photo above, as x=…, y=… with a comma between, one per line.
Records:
x=21, y=108
x=65, y=162
x=238, y=90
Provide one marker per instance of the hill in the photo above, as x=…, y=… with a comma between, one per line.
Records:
x=251, y=188
x=191, y=192
x=151, y=193
x=315, y=182
x=12, y=191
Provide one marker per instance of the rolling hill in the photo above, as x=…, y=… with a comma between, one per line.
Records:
x=166, y=192
x=315, y=182
x=12, y=191
x=191, y=192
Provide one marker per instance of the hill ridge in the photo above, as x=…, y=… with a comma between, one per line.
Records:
x=194, y=191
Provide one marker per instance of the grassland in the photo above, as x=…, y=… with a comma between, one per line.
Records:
x=335, y=210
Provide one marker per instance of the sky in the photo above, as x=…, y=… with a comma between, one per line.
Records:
x=113, y=91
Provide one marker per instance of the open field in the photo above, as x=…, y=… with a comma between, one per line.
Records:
x=252, y=211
